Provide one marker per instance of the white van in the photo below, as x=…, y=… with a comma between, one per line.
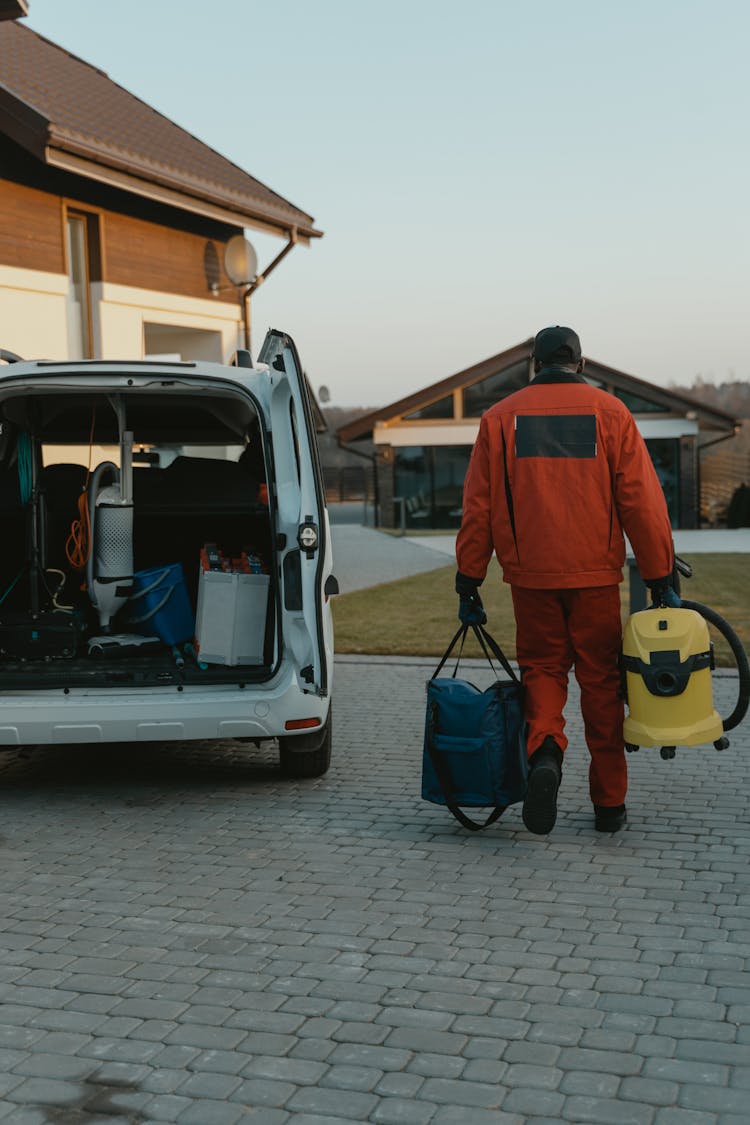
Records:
x=166, y=569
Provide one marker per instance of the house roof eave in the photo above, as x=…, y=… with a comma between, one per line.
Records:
x=125, y=176
x=284, y=218
x=665, y=395
x=59, y=107
x=23, y=124
x=713, y=417
x=13, y=9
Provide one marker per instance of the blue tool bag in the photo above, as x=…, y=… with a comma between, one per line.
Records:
x=475, y=741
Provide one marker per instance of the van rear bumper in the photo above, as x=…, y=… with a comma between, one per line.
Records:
x=154, y=715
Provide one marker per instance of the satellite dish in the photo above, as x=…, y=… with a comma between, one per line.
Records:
x=324, y=395
x=240, y=260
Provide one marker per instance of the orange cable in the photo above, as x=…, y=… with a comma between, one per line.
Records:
x=78, y=543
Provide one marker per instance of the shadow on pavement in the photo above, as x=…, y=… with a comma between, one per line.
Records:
x=125, y=766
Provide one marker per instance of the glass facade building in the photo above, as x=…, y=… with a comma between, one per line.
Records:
x=429, y=482
x=423, y=442
x=428, y=479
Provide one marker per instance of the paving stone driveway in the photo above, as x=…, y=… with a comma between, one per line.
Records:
x=187, y=938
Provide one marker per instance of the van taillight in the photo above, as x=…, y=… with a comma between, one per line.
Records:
x=301, y=724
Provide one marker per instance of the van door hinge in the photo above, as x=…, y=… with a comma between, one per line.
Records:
x=307, y=673
x=307, y=537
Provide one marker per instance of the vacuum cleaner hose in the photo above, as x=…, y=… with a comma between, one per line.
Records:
x=740, y=657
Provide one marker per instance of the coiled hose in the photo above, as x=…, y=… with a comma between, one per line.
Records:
x=740, y=658
x=683, y=569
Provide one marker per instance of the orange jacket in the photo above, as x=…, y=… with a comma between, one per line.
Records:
x=557, y=472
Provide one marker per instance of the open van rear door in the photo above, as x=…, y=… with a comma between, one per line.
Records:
x=302, y=530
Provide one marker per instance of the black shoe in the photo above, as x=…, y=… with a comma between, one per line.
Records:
x=609, y=819
x=540, y=805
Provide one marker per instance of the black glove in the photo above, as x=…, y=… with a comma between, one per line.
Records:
x=470, y=608
x=663, y=593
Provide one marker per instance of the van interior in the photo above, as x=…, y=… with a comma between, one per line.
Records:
x=137, y=538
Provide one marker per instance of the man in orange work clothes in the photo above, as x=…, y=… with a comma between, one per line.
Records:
x=557, y=473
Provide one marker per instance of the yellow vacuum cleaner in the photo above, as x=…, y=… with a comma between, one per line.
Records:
x=667, y=659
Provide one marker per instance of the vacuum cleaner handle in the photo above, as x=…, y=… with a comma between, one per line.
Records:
x=682, y=567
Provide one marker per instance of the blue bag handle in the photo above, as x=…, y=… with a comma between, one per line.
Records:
x=486, y=641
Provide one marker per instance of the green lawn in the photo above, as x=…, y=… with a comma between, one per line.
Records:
x=418, y=616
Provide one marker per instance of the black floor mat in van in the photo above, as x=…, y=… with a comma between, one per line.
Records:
x=142, y=671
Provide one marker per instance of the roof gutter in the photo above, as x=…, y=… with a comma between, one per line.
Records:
x=723, y=437
x=213, y=208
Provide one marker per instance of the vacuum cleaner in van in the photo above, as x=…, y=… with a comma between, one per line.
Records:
x=667, y=660
x=114, y=477
x=109, y=568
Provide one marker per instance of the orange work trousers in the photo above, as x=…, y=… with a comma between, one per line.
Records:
x=557, y=630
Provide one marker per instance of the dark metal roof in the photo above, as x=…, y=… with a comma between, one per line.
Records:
x=57, y=106
x=675, y=401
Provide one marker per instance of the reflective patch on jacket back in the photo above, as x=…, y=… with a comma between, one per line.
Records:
x=556, y=435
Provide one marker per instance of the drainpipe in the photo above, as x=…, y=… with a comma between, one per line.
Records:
x=248, y=292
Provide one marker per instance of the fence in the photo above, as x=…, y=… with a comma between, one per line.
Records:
x=349, y=482
x=722, y=473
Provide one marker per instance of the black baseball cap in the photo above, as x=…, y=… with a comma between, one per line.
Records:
x=557, y=345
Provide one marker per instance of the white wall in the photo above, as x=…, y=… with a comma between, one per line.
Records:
x=33, y=319
x=465, y=432
x=124, y=311
x=449, y=432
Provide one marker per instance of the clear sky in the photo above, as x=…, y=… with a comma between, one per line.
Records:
x=481, y=168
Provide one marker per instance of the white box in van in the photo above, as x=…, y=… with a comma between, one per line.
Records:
x=231, y=623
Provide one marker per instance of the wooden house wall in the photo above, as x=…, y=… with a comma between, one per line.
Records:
x=31, y=231
x=151, y=256
x=143, y=244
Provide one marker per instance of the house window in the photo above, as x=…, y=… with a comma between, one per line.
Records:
x=412, y=485
x=665, y=454
x=176, y=342
x=84, y=263
x=79, y=292
x=443, y=408
x=481, y=396
x=638, y=405
x=429, y=481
